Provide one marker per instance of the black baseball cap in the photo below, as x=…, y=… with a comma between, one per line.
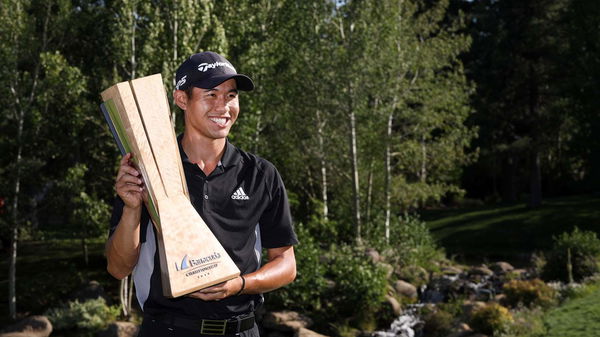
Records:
x=207, y=70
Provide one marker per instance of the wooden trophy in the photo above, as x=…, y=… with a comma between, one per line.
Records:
x=191, y=257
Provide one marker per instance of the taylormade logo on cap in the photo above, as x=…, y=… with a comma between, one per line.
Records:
x=181, y=82
x=205, y=66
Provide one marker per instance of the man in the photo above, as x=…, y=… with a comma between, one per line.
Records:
x=240, y=196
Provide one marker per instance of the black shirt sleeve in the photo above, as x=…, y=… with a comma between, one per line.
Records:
x=276, y=228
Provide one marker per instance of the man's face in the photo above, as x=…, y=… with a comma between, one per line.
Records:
x=210, y=113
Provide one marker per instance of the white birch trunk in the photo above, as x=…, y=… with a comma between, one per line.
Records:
x=388, y=176
x=323, y=165
x=355, y=181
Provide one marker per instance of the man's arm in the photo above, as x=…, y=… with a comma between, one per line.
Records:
x=123, y=247
x=279, y=270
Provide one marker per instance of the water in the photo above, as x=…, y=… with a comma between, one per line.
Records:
x=406, y=325
x=410, y=324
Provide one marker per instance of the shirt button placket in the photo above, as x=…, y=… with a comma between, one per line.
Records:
x=205, y=190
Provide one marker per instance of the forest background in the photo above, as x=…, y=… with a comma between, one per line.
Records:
x=371, y=110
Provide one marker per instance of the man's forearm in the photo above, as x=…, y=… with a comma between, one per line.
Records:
x=279, y=271
x=123, y=247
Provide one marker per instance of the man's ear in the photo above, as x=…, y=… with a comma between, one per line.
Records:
x=181, y=99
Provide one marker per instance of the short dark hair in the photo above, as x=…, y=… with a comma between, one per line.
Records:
x=189, y=92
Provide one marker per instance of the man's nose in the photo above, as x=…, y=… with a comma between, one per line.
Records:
x=222, y=105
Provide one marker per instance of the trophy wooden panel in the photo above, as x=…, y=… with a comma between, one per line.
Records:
x=122, y=97
x=152, y=103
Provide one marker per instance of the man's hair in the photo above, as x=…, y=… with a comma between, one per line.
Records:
x=189, y=92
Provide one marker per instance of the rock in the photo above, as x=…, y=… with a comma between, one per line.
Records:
x=90, y=291
x=405, y=289
x=451, y=270
x=394, y=305
x=521, y=273
x=460, y=334
x=414, y=275
x=502, y=267
x=285, y=321
x=373, y=255
x=389, y=269
x=32, y=326
x=470, y=306
x=481, y=270
x=463, y=327
x=120, y=329
x=304, y=332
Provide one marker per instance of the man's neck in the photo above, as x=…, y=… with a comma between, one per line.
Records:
x=206, y=153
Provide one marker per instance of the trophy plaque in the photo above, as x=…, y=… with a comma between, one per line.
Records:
x=191, y=257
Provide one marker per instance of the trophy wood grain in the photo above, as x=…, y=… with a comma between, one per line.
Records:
x=123, y=99
x=151, y=100
x=194, y=258
x=191, y=257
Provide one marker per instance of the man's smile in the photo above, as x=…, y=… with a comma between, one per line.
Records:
x=221, y=121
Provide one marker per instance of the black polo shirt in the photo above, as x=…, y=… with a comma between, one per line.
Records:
x=244, y=203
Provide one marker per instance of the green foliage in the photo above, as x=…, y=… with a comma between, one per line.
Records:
x=411, y=243
x=584, y=250
x=333, y=284
x=529, y=293
x=438, y=322
x=527, y=322
x=91, y=315
x=359, y=285
x=306, y=292
x=493, y=319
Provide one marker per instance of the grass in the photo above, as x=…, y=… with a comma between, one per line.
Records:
x=510, y=232
x=49, y=271
x=576, y=318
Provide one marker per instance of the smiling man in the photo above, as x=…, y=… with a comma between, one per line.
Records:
x=240, y=196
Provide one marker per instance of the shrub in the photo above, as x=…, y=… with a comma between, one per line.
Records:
x=306, y=292
x=333, y=285
x=529, y=293
x=438, y=322
x=91, y=315
x=584, y=250
x=492, y=319
x=360, y=286
x=411, y=243
x=527, y=323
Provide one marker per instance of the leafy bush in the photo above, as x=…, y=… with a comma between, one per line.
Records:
x=438, y=322
x=411, y=243
x=529, y=293
x=570, y=291
x=584, y=250
x=91, y=315
x=527, y=323
x=306, y=292
x=493, y=319
x=360, y=285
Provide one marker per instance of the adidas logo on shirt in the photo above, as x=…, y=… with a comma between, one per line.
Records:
x=239, y=194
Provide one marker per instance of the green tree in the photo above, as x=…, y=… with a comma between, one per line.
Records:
x=525, y=101
x=23, y=38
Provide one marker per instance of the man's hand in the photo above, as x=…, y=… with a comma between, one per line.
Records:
x=129, y=185
x=219, y=291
